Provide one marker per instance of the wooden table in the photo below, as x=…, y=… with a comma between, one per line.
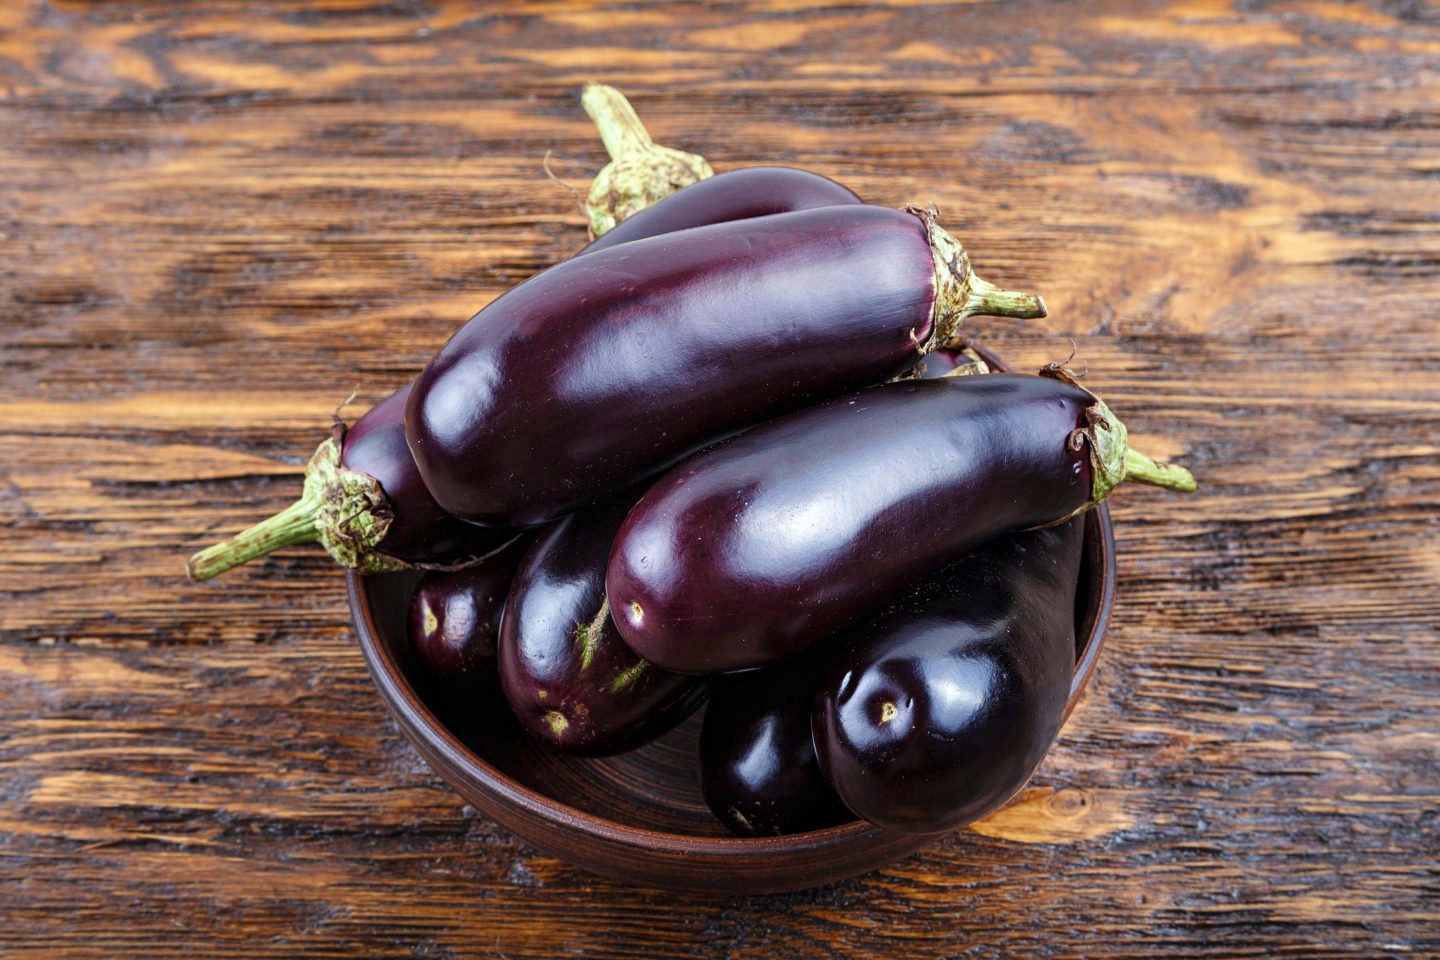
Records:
x=216, y=220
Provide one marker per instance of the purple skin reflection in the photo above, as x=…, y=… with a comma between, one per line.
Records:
x=424, y=533
x=604, y=369
x=420, y=532
x=808, y=522
x=940, y=362
x=455, y=617
x=758, y=769
x=568, y=677
x=737, y=195
x=937, y=710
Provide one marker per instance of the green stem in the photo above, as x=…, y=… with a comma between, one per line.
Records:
x=640, y=172
x=960, y=294
x=620, y=128
x=1141, y=469
x=1111, y=458
x=984, y=299
x=295, y=524
x=345, y=511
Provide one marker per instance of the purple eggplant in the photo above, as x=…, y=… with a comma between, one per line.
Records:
x=752, y=550
x=937, y=710
x=566, y=674
x=737, y=195
x=365, y=503
x=604, y=369
x=455, y=617
x=758, y=770
x=399, y=523
x=953, y=362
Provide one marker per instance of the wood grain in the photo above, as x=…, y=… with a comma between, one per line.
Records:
x=217, y=220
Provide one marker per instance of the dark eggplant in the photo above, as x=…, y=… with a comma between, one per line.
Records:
x=569, y=679
x=736, y=195
x=363, y=499
x=640, y=172
x=365, y=503
x=604, y=369
x=758, y=769
x=940, y=708
x=350, y=511
x=455, y=617
x=763, y=544
x=952, y=362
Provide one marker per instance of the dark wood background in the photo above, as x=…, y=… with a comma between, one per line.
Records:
x=218, y=219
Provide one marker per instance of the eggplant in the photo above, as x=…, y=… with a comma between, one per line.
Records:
x=569, y=679
x=455, y=617
x=603, y=370
x=758, y=770
x=952, y=362
x=737, y=195
x=761, y=545
x=940, y=708
x=365, y=503
x=363, y=498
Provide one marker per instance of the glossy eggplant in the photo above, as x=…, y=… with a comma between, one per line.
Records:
x=752, y=550
x=363, y=498
x=758, y=770
x=940, y=708
x=737, y=195
x=568, y=677
x=365, y=503
x=606, y=368
x=455, y=617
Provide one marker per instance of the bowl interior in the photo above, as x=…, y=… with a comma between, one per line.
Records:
x=655, y=788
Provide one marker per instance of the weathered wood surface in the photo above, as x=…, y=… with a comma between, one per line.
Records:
x=218, y=219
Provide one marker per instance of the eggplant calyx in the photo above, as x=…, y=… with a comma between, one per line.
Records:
x=1113, y=461
x=640, y=172
x=960, y=293
x=343, y=510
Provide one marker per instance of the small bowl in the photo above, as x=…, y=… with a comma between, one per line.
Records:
x=640, y=816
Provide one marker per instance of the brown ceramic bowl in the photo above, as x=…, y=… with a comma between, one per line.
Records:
x=640, y=816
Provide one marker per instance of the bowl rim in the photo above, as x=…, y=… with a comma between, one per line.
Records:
x=412, y=712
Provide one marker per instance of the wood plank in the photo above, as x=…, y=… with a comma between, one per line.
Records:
x=218, y=220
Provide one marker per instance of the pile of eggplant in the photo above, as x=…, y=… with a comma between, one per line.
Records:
x=730, y=452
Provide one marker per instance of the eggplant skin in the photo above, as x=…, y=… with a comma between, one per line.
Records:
x=760, y=546
x=758, y=770
x=455, y=617
x=736, y=195
x=606, y=368
x=420, y=531
x=568, y=677
x=941, y=707
x=945, y=361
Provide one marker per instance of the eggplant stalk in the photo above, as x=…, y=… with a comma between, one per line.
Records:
x=1112, y=460
x=344, y=511
x=960, y=293
x=640, y=172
